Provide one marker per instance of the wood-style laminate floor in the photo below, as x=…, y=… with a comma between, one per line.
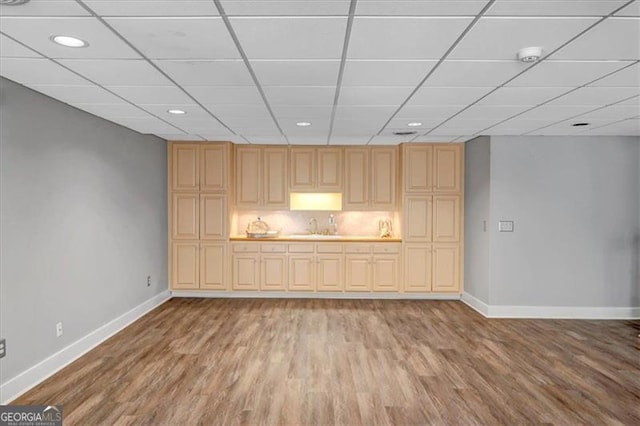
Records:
x=218, y=362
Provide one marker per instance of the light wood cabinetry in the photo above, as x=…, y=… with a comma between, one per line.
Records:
x=417, y=217
x=432, y=167
x=185, y=273
x=370, y=178
x=447, y=168
x=330, y=272
x=329, y=169
x=273, y=273
x=302, y=272
x=213, y=270
x=446, y=268
x=417, y=160
x=315, y=169
x=213, y=217
x=446, y=218
x=185, y=214
x=185, y=174
x=302, y=169
x=261, y=178
x=417, y=268
x=372, y=267
x=214, y=168
x=246, y=271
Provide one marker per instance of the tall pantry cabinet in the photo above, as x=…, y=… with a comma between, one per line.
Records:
x=432, y=225
x=199, y=182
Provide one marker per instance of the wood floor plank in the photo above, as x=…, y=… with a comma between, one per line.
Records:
x=350, y=362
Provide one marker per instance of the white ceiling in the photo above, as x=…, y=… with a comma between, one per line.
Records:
x=359, y=70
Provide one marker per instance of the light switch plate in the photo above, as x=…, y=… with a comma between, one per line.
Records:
x=505, y=226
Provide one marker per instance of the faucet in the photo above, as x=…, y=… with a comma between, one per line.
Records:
x=333, y=226
x=313, y=223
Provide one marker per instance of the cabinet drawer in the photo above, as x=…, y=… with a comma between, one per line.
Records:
x=273, y=248
x=357, y=248
x=386, y=248
x=245, y=248
x=329, y=248
x=300, y=248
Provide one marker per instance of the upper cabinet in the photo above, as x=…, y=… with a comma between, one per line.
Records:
x=432, y=168
x=370, y=178
x=200, y=167
x=261, y=177
x=315, y=169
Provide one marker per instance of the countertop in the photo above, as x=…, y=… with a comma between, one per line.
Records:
x=319, y=239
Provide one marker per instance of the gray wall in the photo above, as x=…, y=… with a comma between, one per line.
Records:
x=575, y=203
x=476, y=202
x=83, y=222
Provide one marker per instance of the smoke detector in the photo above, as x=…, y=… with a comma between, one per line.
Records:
x=12, y=2
x=529, y=54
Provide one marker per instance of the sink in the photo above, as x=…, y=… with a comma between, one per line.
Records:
x=315, y=236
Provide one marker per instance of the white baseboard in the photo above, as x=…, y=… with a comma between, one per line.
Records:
x=301, y=295
x=26, y=380
x=475, y=303
x=551, y=312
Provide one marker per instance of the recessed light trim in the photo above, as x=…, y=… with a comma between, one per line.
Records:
x=414, y=124
x=580, y=124
x=303, y=124
x=529, y=54
x=68, y=41
x=176, y=111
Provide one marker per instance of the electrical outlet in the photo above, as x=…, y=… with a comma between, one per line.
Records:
x=59, y=329
x=505, y=226
x=148, y=280
x=3, y=348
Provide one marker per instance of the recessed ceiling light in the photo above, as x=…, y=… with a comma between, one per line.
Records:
x=68, y=41
x=303, y=124
x=414, y=124
x=176, y=111
x=580, y=124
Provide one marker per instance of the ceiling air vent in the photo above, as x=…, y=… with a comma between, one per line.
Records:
x=405, y=133
x=13, y=2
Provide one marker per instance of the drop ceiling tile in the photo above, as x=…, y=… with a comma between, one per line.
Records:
x=428, y=112
x=153, y=8
x=401, y=124
x=146, y=125
x=118, y=72
x=285, y=7
x=291, y=95
x=78, y=94
x=357, y=127
x=447, y=133
x=350, y=95
x=437, y=96
x=296, y=73
x=562, y=128
x=308, y=140
x=500, y=38
x=615, y=38
x=45, y=8
x=564, y=73
x=207, y=72
x=555, y=113
x=245, y=112
x=179, y=137
x=178, y=38
x=291, y=38
x=491, y=112
x=317, y=126
x=474, y=73
x=385, y=73
x=340, y=139
x=597, y=96
x=554, y=8
x=632, y=101
x=163, y=95
x=628, y=77
x=12, y=49
x=241, y=124
x=304, y=112
x=35, y=32
x=199, y=126
x=266, y=140
x=622, y=128
x=225, y=95
x=631, y=10
x=611, y=113
x=523, y=95
x=364, y=112
x=38, y=71
x=420, y=7
x=413, y=38
x=122, y=110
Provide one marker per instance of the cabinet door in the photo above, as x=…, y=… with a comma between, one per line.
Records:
x=329, y=272
x=356, y=179
x=417, y=218
x=214, y=168
x=417, y=268
x=185, y=216
x=417, y=164
x=184, y=167
x=447, y=170
x=213, y=217
x=275, y=184
x=185, y=270
x=246, y=271
x=302, y=169
x=273, y=272
x=383, y=178
x=385, y=272
x=446, y=218
x=329, y=169
x=446, y=268
x=357, y=272
x=248, y=174
x=302, y=272
x=213, y=268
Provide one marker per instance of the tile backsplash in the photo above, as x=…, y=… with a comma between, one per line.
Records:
x=360, y=223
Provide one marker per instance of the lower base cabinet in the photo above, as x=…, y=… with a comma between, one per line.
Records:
x=431, y=268
x=373, y=268
x=199, y=265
